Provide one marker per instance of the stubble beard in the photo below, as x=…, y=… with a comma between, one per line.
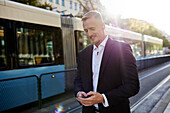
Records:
x=92, y=38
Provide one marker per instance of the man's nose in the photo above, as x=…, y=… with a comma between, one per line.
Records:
x=89, y=34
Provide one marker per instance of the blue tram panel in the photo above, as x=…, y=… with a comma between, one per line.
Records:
x=21, y=91
x=52, y=84
x=17, y=92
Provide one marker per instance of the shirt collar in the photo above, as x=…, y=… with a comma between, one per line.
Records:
x=101, y=44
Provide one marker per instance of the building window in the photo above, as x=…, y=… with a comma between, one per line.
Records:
x=38, y=3
x=70, y=4
x=50, y=0
x=79, y=8
x=62, y=2
x=56, y=1
x=75, y=6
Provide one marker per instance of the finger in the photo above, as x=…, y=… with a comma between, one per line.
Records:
x=81, y=99
x=81, y=93
x=84, y=94
x=87, y=104
x=91, y=93
x=84, y=101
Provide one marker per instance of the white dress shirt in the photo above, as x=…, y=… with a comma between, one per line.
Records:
x=96, y=62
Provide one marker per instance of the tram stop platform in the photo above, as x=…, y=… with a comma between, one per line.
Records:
x=157, y=100
x=163, y=106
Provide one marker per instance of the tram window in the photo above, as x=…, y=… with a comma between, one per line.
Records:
x=82, y=40
x=2, y=46
x=34, y=46
x=136, y=47
x=153, y=49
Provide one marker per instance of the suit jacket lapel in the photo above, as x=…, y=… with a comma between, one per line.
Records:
x=90, y=66
x=105, y=58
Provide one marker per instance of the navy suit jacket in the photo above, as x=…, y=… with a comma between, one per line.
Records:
x=118, y=76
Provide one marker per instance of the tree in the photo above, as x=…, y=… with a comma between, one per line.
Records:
x=28, y=2
x=145, y=29
x=44, y=6
x=137, y=26
x=34, y=3
x=87, y=6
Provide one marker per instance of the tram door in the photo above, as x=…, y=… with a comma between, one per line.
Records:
x=68, y=43
x=69, y=50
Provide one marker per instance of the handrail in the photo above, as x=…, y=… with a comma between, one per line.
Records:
x=67, y=70
x=19, y=77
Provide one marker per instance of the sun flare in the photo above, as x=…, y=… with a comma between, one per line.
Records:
x=155, y=12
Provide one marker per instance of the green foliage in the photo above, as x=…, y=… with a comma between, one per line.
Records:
x=34, y=3
x=28, y=2
x=146, y=29
x=45, y=6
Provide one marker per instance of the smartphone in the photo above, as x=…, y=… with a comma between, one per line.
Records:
x=84, y=96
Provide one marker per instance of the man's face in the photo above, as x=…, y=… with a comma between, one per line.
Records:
x=94, y=30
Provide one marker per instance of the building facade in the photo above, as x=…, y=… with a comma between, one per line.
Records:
x=67, y=7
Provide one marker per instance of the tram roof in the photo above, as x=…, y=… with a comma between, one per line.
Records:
x=151, y=39
x=121, y=33
x=20, y=12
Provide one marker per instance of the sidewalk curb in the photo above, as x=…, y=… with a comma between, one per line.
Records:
x=162, y=104
x=167, y=110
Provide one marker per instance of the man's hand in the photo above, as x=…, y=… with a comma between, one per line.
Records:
x=81, y=94
x=94, y=98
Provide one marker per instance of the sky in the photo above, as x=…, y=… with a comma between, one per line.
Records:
x=155, y=12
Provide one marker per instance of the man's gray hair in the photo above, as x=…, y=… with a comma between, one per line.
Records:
x=93, y=13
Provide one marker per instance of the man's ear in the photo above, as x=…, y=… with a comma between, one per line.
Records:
x=103, y=26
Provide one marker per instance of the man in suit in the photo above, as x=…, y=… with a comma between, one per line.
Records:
x=107, y=75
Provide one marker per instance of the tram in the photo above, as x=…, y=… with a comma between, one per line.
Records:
x=142, y=45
